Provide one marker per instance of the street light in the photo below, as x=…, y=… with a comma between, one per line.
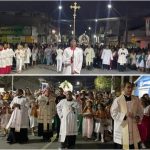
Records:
x=60, y=7
x=59, y=18
x=78, y=83
x=72, y=32
x=89, y=28
x=94, y=36
x=109, y=6
x=96, y=20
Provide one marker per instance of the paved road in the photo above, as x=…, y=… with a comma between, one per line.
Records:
x=36, y=143
x=43, y=69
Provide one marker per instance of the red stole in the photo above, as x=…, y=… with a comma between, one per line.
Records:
x=72, y=49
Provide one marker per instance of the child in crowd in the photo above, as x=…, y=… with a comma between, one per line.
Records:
x=5, y=116
x=33, y=116
x=101, y=122
x=87, y=126
x=141, y=62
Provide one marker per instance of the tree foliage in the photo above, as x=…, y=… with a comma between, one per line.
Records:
x=6, y=81
x=103, y=83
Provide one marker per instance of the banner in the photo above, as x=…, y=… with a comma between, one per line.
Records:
x=3, y=39
x=17, y=39
x=29, y=39
x=16, y=30
x=133, y=39
x=13, y=39
x=148, y=26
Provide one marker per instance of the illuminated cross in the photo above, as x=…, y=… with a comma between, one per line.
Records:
x=74, y=7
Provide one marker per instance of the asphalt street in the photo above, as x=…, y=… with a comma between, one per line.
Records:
x=36, y=142
x=47, y=70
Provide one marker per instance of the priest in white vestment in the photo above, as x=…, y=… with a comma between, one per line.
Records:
x=20, y=56
x=2, y=60
x=127, y=112
x=11, y=54
x=27, y=55
x=19, y=120
x=67, y=110
x=46, y=112
x=6, y=58
x=1, y=57
x=89, y=56
x=106, y=57
x=122, y=58
x=72, y=58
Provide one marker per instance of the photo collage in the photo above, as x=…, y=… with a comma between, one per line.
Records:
x=75, y=74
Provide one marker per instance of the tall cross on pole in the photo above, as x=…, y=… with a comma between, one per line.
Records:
x=75, y=8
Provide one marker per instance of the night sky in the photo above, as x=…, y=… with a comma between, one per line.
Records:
x=135, y=10
x=89, y=9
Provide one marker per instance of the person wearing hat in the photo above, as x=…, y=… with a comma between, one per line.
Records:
x=72, y=58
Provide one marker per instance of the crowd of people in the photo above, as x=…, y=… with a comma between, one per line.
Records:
x=95, y=115
x=71, y=58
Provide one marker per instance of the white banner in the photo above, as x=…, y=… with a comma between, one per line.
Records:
x=148, y=26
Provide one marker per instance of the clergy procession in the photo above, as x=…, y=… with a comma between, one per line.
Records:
x=98, y=116
x=72, y=58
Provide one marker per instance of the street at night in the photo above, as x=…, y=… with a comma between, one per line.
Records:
x=75, y=74
x=111, y=36
x=36, y=143
x=99, y=90
x=47, y=70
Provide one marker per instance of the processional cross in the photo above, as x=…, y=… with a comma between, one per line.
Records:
x=75, y=8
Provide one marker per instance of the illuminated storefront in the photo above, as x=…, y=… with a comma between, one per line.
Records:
x=142, y=86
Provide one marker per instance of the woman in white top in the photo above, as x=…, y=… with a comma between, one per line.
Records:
x=133, y=60
x=59, y=58
x=145, y=123
x=148, y=62
x=34, y=55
